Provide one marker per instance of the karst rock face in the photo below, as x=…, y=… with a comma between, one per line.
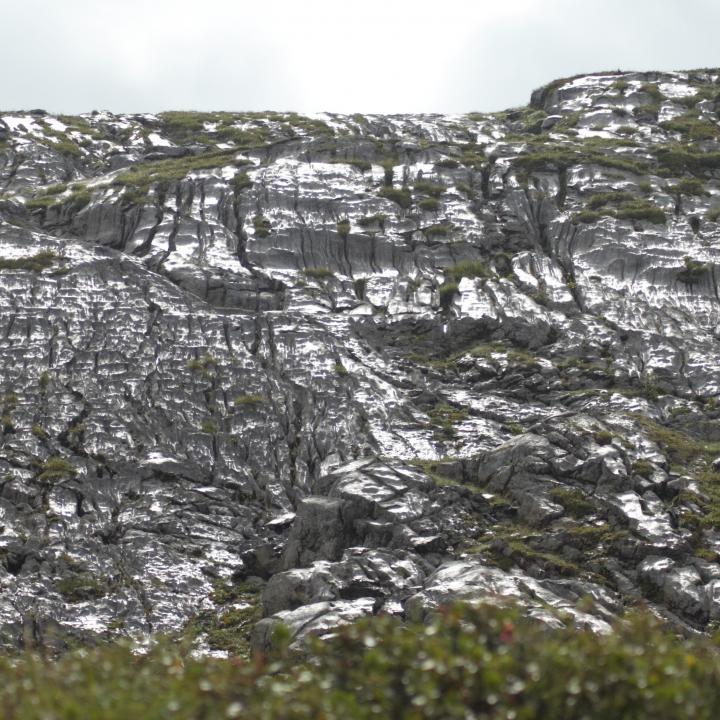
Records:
x=262, y=368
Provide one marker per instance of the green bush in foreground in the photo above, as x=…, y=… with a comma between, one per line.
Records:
x=466, y=663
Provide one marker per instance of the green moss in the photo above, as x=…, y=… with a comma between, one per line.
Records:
x=373, y=220
x=640, y=210
x=689, y=186
x=713, y=214
x=427, y=187
x=358, y=163
x=693, y=272
x=543, y=94
x=591, y=151
x=225, y=591
x=434, y=231
x=643, y=467
x=79, y=198
x=626, y=207
x=691, y=128
x=468, y=269
x=41, y=202
x=39, y=432
x=599, y=200
x=308, y=126
x=193, y=127
x=56, y=468
x=568, y=121
x=618, y=163
x=319, y=273
x=587, y=217
x=706, y=554
x=195, y=365
x=400, y=196
x=431, y=469
x=205, y=362
x=80, y=124
x=388, y=165
x=708, y=502
x=681, y=448
x=547, y=158
x=249, y=400
x=65, y=146
x=361, y=165
x=33, y=263
x=209, y=426
x=654, y=92
x=429, y=204
x=230, y=629
x=512, y=355
x=620, y=85
x=519, y=552
x=575, y=502
x=55, y=189
x=680, y=410
x=262, y=226
x=447, y=292
x=138, y=179
x=343, y=228
x=81, y=587
x=445, y=417
x=603, y=437
x=676, y=159
x=241, y=181
x=530, y=119
x=626, y=130
x=473, y=156
x=76, y=429
x=359, y=286
x=593, y=537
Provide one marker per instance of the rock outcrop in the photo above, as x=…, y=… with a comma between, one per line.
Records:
x=263, y=368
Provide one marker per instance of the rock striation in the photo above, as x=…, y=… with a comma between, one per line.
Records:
x=264, y=368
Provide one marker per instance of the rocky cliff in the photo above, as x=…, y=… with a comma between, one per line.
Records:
x=267, y=367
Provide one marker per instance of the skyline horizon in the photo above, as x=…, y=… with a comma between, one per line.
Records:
x=568, y=78
x=319, y=56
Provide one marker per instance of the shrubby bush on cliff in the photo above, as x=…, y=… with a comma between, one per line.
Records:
x=466, y=663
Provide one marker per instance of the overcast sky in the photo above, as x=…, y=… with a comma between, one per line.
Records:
x=380, y=56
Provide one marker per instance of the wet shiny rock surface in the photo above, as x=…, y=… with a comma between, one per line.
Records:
x=264, y=368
